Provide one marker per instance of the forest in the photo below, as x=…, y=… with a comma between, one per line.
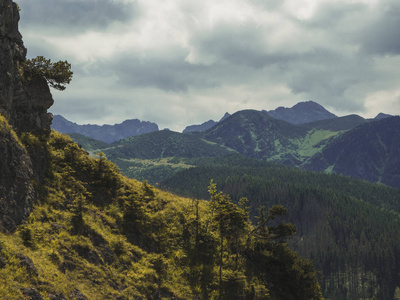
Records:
x=349, y=228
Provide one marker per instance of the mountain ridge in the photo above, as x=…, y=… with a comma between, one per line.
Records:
x=301, y=113
x=256, y=134
x=369, y=151
x=106, y=133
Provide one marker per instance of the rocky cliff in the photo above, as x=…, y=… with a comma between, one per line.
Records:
x=23, y=107
x=23, y=103
x=16, y=191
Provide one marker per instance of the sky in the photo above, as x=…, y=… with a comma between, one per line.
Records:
x=183, y=62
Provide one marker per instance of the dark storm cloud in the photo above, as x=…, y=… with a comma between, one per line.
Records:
x=325, y=69
x=237, y=45
x=168, y=75
x=75, y=15
x=382, y=37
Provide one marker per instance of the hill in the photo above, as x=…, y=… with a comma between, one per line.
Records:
x=105, y=133
x=95, y=234
x=370, y=151
x=343, y=224
x=257, y=135
x=160, y=154
x=89, y=144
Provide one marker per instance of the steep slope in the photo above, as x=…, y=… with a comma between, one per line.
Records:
x=94, y=234
x=24, y=103
x=89, y=144
x=23, y=109
x=17, y=193
x=105, y=133
x=301, y=113
x=370, y=151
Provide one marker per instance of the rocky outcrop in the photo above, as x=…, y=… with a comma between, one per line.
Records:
x=16, y=191
x=24, y=103
x=23, y=108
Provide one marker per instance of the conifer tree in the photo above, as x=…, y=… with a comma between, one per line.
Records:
x=57, y=74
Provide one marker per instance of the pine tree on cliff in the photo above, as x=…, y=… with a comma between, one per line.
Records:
x=57, y=74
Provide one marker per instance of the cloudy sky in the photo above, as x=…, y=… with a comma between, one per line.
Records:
x=182, y=62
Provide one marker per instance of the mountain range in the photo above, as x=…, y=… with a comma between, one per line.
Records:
x=326, y=145
x=301, y=113
x=105, y=133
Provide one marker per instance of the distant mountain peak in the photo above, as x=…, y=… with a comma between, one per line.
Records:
x=105, y=133
x=382, y=116
x=204, y=126
x=225, y=116
x=301, y=113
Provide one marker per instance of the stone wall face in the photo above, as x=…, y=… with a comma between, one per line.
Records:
x=17, y=194
x=23, y=103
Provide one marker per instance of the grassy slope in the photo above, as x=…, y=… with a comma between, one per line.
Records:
x=98, y=233
x=96, y=257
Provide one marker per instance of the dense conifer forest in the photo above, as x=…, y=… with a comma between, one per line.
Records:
x=348, y=227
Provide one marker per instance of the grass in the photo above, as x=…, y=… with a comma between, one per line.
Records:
x=314, y=142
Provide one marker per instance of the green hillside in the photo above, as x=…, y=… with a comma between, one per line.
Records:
x=348, y=227
x=89, y=144
x=163, y=144
x=158, y=155
x=154, y=156
x=370, y=151
x=257, y=135
x=94, y=234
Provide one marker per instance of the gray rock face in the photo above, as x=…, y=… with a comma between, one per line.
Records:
x=24, y=106
x=23, y=103
x=16, y=191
